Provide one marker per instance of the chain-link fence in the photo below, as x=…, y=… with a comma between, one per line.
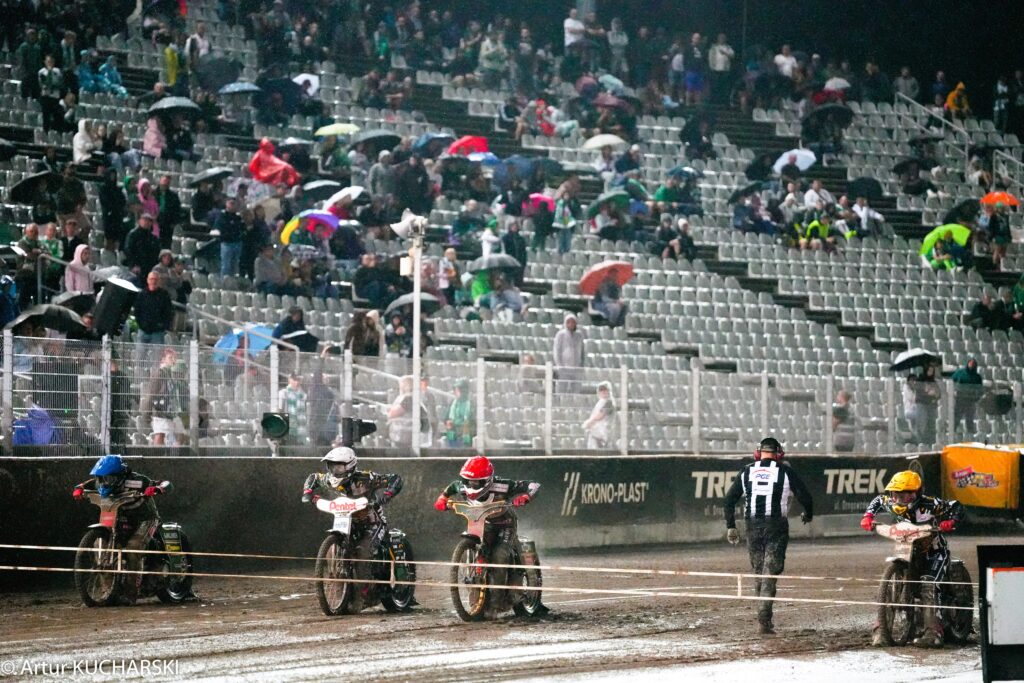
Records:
x=78, y=397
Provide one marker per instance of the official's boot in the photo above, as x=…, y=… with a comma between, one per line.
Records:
x=766, y=628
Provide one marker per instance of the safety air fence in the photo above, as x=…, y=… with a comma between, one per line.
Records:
x=66, y=398
x=251, y=506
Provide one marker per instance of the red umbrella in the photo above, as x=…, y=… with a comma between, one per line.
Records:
x=468, y=144
x=1000, y=198
x=537, y=198
x=621, y=271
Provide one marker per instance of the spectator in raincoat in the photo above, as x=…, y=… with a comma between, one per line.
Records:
x=83, y=144
x=77, y=276
x=88, y=80
x=111, y=77
x=957, y=105
x=154, y=142
x=967, y=391
x=267, y=168
x=460, y=418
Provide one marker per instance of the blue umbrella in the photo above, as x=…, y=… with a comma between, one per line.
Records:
x=443, y=139
x=239, y=88
x=685, y=172
x=227, y=344
x=485, y=158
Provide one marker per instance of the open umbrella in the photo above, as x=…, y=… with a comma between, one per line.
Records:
x=345, y=193
x=216, y=71
x=537, y=198
x=960, y=235
x=493, y=261
x=377, y=138
x=837, y=114
x=314, y=82
x=320, y=189
x=485, y=158
x=618, y=197
x=428, y=303
x=608, y=100
x=744, y=191
x=432, y=141
x=291, y=93
x=108, y=273
x=622, y=271
x=311, y=219
x=211, y=175
x=548, y=165
x=456, y=163
x=914, y=358
x=865, y=187
x=79, y=302
x=604, y=140
x=836, y=83
x=174, y=105
x=612, y=84
x=337, y=129
x=28, y=189
x=907, y=165
x=468, y=144
x=52, y=317
x=682, y=171
x=984, y=149
x=239, y=88
x=1000, y=198
x=803, y=158
x=7, y=150
x=964, y=213
x=230, y=342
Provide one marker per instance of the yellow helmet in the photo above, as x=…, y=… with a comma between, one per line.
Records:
x=905, y=481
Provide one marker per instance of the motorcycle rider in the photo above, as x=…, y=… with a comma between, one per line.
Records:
x=478, y=486
x=766, y=485
x=112, y=477
x=904, y=499
x=341, y=478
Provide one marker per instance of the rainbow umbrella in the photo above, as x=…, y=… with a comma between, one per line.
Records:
x=311, y=219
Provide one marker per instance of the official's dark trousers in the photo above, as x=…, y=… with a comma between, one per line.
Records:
x=766, y=543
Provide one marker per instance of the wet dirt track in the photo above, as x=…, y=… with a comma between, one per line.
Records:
x=273, y=630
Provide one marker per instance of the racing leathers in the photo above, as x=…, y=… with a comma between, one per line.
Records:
x=925, y=510
x=368, y=526
x=501, y=534
x=139, y=520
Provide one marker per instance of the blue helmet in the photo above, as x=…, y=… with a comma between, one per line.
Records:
x=109, y=471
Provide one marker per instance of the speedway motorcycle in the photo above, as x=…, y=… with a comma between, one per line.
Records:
x=99, y=562
x=901, y=585
x=473, y=595
x=336, y=590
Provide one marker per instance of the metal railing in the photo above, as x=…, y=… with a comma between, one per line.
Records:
x=1008, y=167
x=74, y=397
x=964, y=136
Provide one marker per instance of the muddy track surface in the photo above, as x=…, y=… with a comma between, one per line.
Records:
x=250, y=629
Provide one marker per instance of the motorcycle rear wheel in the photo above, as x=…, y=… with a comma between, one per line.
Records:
x=400, y=598
x=335, y=597
x=177, y=587
x=959, y=623
x=896, y=623
x=97, y=588
x=470, y=603
x=530, y=605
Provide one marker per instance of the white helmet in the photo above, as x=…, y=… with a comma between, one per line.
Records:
x=341, y=463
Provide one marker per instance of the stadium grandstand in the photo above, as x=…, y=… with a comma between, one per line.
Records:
x=633, y=243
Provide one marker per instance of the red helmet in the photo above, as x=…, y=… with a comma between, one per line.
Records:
x=476, y=475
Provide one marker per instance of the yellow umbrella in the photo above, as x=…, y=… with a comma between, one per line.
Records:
x=337, y=129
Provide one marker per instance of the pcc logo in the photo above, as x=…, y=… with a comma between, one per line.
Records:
x=600, y=493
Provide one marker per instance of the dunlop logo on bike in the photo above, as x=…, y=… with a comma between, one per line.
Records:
x=600, y=493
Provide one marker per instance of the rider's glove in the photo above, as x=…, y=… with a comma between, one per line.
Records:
x=441, y=504
x=867, y=522
x=389, y=494
x=151, y=491
x=806, y=517
x=520, y=501
x=732, y=536
x=77, y=493
x=315, y=498
x=947, y=525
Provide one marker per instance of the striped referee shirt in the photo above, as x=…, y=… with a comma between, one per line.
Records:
x=767, y=486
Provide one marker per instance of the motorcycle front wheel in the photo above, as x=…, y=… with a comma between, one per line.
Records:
x=400, y=598
x=897, y=623
x=530, y=605
x=959, y=622
x=334, y=595
x=96, y=577
x=178, y=585
x=469, y=600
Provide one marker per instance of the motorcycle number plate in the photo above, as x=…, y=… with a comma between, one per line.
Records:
x=342, y=524
x=108, y=517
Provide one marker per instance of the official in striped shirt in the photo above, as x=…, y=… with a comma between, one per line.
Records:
x=767, y=485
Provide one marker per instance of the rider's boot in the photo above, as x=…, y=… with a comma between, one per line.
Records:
x=932, y=635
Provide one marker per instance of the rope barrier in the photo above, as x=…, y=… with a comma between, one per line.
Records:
x=544, y=567
x=629, y=592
